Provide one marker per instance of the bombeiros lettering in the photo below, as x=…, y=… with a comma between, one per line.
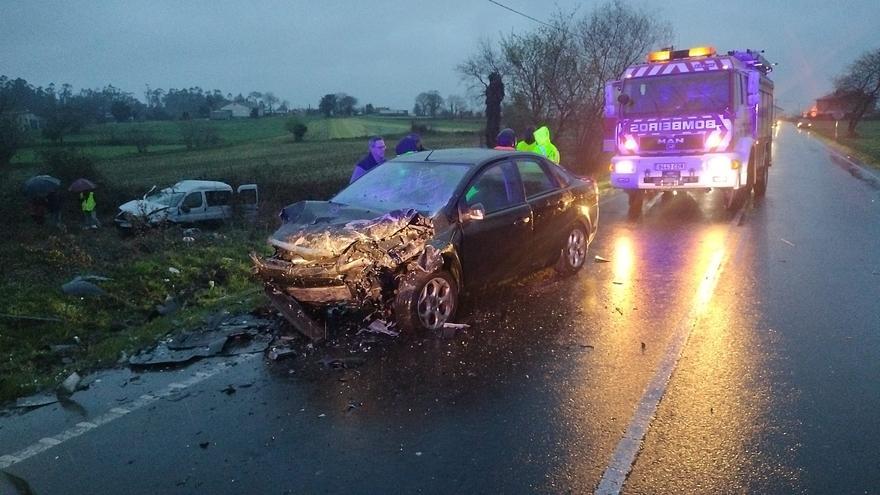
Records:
x=674, y=125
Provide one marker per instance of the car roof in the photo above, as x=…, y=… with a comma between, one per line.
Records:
x=201, y=185
x=470, y=156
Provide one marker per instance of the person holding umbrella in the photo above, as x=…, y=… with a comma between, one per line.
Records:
x=86, y=190
x=42, y=191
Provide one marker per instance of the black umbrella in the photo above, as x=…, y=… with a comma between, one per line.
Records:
x=41, y=186
x=81, y=185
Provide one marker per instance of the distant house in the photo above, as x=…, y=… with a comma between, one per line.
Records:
x=391, y=112
x=221, y=115
x=28, y=120
x=833, y=104
x=241, y=110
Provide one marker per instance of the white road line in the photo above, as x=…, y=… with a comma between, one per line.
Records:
x=629, y=446
x=50, y=442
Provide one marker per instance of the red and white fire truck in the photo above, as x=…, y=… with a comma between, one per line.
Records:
x=691, y=120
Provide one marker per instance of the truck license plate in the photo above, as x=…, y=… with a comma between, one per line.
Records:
x=669, y=166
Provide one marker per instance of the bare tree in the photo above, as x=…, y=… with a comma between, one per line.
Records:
x=859, y=87
x=270, y=99
x=430, y=102
x=456, y=104
x=556, y=73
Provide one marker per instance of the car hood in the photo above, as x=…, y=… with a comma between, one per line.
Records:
x=321, y=229
x=140, y=207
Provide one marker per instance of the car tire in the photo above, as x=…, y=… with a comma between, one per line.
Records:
x=425, y=301
x=574, y=251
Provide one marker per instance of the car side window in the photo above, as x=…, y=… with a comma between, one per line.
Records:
x=496, y=189
x=535, y=180
x=192, y=200
x=218, y=198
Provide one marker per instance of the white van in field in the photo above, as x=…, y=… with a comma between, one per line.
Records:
x=189, y=201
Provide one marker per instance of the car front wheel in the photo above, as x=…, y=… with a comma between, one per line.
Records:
x=574, y=252
x=426, y=301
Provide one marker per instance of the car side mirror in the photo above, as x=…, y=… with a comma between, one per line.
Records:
x=475, y=212
x=184, y=209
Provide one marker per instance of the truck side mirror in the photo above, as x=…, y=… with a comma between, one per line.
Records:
x=610, y=107
x=753, y=89
x=624, y=99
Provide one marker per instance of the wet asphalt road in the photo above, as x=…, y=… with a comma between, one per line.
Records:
x=770, y=319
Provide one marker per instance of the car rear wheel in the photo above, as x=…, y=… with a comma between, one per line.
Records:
x=574, y=252
x=425, y=301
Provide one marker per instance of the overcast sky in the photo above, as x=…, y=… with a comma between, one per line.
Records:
x=383, y=52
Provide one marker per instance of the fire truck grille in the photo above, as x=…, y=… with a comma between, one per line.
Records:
x=664, y=144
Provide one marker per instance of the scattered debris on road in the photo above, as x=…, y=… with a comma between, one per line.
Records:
x=599, y=259
x=222, y=336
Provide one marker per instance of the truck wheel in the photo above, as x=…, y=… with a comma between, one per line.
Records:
x=733, y=198
x=636, y=198
x=425, y=301
x=761, y=181
x=574, y=252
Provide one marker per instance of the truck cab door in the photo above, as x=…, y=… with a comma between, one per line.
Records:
x=248, y=200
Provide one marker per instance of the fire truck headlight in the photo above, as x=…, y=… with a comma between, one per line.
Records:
x=625, y=167
x=719, y=165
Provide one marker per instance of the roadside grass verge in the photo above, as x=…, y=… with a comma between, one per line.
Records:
x=866, y=147
x=144, y=272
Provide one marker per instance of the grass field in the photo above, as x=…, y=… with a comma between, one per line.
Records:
x=214, y=271
x=866, y=147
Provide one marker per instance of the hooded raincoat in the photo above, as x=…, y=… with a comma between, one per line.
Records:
x=543, y=146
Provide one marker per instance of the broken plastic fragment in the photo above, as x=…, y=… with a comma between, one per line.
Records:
x=379, y=326
x=80, y=287
x=278, y=353
x=599, y=259
x=70, y=384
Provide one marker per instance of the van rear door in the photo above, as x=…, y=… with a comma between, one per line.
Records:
x=249, y=200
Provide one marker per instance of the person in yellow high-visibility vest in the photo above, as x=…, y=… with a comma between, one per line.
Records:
x=87, y=201
x=543, y=146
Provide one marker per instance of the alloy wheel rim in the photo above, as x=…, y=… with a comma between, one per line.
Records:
x=576, y=248
x=435, y=303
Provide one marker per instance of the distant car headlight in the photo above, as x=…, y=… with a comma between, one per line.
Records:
x=625, y=167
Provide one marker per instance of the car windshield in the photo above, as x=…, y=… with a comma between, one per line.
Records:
x=165, y=197
x=674, y=95
x=424, y=186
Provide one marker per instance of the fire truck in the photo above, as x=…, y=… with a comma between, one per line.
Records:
x=691, y=120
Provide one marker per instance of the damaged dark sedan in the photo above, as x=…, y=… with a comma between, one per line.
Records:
x=401, y=243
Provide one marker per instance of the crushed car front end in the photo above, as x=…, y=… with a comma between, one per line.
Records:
x=330, y=255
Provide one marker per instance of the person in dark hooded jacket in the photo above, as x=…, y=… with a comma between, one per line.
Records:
x=411, y=143
x=506, y=140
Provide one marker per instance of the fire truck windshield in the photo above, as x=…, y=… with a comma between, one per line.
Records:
x=677, y=94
